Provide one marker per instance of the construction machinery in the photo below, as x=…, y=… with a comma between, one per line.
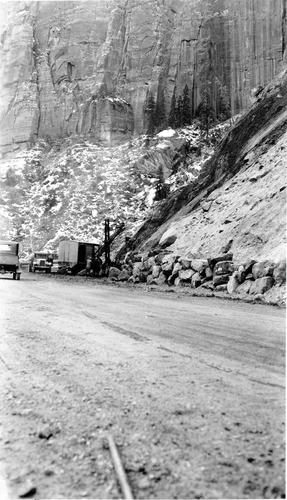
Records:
x=74, y=255
x=105, y=247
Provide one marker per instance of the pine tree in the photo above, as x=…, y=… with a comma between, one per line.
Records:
x=161, y=189
x=160, y=117
x=205, y=111
x=150, y=111
x=179, y=109
x=172, y=113
x=186, y=110
x=224, y=107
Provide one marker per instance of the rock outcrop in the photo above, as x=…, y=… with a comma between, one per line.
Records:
x=244, y=183
x=88, y=67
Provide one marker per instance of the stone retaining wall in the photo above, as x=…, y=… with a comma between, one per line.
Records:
x=216, y=273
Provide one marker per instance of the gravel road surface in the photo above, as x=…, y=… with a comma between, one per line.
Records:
x=190, y=389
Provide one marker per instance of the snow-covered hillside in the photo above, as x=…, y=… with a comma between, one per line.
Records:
x=68, y=190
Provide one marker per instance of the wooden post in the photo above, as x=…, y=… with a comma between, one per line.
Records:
x=107, y=246
x=121, y=475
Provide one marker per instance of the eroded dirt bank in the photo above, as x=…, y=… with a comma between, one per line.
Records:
x=191, y=389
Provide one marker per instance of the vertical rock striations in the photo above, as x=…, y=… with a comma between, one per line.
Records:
x=82, y=67
x=19, y=95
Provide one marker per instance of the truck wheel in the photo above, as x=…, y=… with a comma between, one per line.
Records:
x=18, y=276
x=14, y=276
x=33, y=269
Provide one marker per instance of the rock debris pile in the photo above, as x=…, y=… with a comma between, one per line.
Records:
x=263, y=280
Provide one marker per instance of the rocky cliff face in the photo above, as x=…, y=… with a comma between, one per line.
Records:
x=87, y=67
x=239, y=194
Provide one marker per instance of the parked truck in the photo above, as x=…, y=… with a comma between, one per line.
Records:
x=73, y=255
x=9, y=258
x=40, y=261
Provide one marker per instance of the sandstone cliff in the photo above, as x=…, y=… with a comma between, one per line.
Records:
x=87, y=67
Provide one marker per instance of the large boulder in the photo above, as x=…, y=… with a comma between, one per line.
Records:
x=233, y=283
x=168, y=259
x=128, y=259
x=150, y=279
x=199, y=265
x=114, y=273
x=244, y=269
x=208, y=273
x=151, y=262
x=247, y=265
x=124, y=275
x=241, y=274
x=167, y=268
x=261, y=269
x=145, y=265
x=185, y=263
x=224, y=267
x=244, y=287
x=186, y=275
x=279, y=273
x=221, y=279
x=161, y=280
x=261, y=285
x=276, y=295
x=176, y=268
x=171, y=279
x=145, y=256
x=156, y=271
x=143, y=275
x=167, y=264
x=212, y=261
x=137, y=268
x=196, y=280
x=167, y=239
x=159, y=258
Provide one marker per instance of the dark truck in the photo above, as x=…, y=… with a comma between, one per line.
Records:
x=9, y=258
x=73, y=255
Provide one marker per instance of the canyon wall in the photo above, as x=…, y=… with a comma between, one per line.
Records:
x=82, y=67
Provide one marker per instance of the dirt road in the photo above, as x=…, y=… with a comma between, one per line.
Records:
x=191, y=389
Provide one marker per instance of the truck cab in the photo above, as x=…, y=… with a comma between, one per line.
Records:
x=41, y=261
x=9, y=258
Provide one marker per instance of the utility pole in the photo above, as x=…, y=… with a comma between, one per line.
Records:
x=107, y=246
